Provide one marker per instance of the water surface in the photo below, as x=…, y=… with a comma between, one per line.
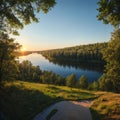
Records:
x=45, y=64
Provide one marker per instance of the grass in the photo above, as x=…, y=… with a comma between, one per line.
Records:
x=23, y=100
x=106, y=107
x=51, y=114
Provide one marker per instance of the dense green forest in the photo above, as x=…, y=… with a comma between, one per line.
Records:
x=81, y=53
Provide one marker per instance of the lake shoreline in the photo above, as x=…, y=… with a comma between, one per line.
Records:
x=88, y=70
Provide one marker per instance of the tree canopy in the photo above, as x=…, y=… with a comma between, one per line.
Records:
x=82, y=82
x=109, y=12
x=8, y=53
x=71, y=80
x=112, y=55
x=14, y=14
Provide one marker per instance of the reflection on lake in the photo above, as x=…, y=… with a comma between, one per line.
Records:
x=64, y=69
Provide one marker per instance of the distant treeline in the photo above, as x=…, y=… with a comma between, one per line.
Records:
x=82, y=53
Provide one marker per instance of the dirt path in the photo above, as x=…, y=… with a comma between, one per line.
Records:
x=67, y=110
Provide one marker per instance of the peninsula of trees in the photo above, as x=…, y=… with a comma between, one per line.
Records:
x=81, y=53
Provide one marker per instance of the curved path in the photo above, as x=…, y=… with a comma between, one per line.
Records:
x=67, y=110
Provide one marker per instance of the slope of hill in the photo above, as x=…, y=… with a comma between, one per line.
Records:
x=23, y=100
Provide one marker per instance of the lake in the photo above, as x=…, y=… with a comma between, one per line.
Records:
x=45, y=64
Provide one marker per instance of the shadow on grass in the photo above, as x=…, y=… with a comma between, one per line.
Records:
x=95, y=115
x=18, y=103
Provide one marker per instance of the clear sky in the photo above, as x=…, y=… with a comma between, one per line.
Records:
x=68, y=23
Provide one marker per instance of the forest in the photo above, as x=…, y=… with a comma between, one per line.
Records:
x=82, y=53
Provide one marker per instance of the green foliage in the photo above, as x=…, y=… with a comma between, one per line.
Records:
x=29, y=72
x=45, y=77
x=82, y=82
x=82, y=53
x=17, y=13
x=109, y=12
x=8, y=54
x=111, y=79
x=51, y=78
x=71, y=80
x=93, y=86
x=59, y=80
x=105, y=83
x=14, y=15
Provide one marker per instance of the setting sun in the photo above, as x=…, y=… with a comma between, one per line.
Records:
x=23, y=49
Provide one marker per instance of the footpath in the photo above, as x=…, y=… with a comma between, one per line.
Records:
x=67, y=110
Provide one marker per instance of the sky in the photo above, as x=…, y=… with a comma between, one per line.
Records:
x=68, y=23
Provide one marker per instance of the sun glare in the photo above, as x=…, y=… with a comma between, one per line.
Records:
x=23, y=49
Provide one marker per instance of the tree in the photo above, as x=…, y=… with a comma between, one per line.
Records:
x=29, y=72
x=59, y=80
x=45, y=77
x=112, y=56
x=71, y=80
x=109, y=12
x=105, y=83
x=36, y=73
x=82, y=82
x=14, y=14
x=8, y=54
x=93, y=85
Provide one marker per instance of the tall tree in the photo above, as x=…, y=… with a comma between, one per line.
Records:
x=112, y=55
x=29, y=72
x=14, y=14
x=109, y=12
x=8, y=53
x=82, y=82
x=71, y=80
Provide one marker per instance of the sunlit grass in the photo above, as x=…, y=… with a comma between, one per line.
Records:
x=106, y=107
x=56, y=91
x=24, y=99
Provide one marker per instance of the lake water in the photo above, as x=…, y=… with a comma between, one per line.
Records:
x=45, y=64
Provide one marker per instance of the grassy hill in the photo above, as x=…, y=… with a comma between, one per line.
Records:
x=23, y=100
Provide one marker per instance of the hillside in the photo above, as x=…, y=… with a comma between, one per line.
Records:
x=23, y=100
